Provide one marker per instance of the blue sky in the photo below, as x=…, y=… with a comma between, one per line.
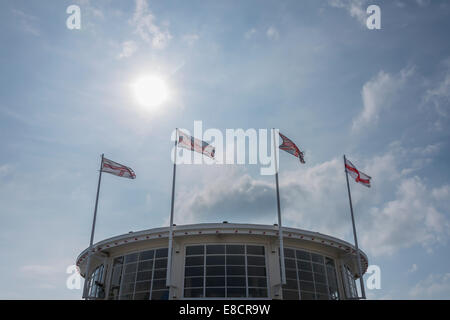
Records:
x=310, y=68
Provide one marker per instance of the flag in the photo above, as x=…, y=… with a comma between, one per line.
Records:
x=290, y=147
x=197, y=145
x=359, y=176
x=117, y=169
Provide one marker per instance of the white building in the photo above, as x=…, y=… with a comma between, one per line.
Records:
x=222, y=261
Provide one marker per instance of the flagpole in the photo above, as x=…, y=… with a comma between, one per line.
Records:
x=88, y=266
x=363, y=292
x=169, y=255
x=280, y=228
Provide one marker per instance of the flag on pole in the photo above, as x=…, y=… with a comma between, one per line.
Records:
x=190, y=143
x=359, y=176
x=291, y=148
x=117, y=169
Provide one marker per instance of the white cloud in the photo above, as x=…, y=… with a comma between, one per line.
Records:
x=355, y=8
x=39, y=270
x=413, y=268
x=412, y=218
x=144, y=21
x=27, y=22
x=128, y=49
x=423, y=3
x=442, y=193
x=377, y=94
x=191, y=39
x=435, y=286
x=250, y=33
x=399, y=211
x=5, y=170
x=272, y=33
x=439, y=97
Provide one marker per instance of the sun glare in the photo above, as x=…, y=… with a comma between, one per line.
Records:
x=150, y=91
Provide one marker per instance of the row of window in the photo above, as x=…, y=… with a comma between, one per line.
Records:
x=221, y=271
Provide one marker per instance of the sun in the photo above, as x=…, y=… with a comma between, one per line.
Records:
x=150, y=91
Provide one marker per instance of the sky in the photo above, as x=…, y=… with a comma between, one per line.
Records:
x=310, y=68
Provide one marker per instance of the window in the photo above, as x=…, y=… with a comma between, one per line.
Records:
x=140, y=276
x=309, y=276
x=350, y=284
x=225, y=271
x=96, y=286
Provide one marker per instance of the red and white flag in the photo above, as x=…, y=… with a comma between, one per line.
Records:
x=117, y=169
x=190, y=143
x=359, y=176
x=290, y=147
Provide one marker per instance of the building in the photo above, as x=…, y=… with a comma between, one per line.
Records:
x=222, y=261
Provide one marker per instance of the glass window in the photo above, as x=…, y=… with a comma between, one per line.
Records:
x=193, y=271
x=140, y=276
x=195, y=250
x=290, y=294
x=215, y=281
x=159, y=274
x=235, y=249
x=229, y=271
x=193, y=293
x=303, y=255
x=235, y=260
x=310, y=276
x=160, y=295
x=116, y=278
x=289, y=253
x=255, y=250
x=161, y=253
x=236, y=292
x=332, y=279
x=256, y=271
x=215, y=271
x=256, y=261
x=146, y=255
x=257, y=293
x=236, y=282
x=215, y=260
x=195, y=261
x=96, y=287
x=131, y=258
x=145, y=265
x=350, y=284
x=215, y=249
x=235, y=271
x=196, y=282
x=215, y=292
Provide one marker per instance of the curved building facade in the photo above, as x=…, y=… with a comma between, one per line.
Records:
x=222, y=261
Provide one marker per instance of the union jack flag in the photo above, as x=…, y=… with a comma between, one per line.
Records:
x=290, y=147
x=359, y=176
x=117, y=169
x=190, y=143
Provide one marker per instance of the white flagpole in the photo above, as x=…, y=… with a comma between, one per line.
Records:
x=280, y=227
x=88, y=266
x=169, y=254
x=361, y=281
